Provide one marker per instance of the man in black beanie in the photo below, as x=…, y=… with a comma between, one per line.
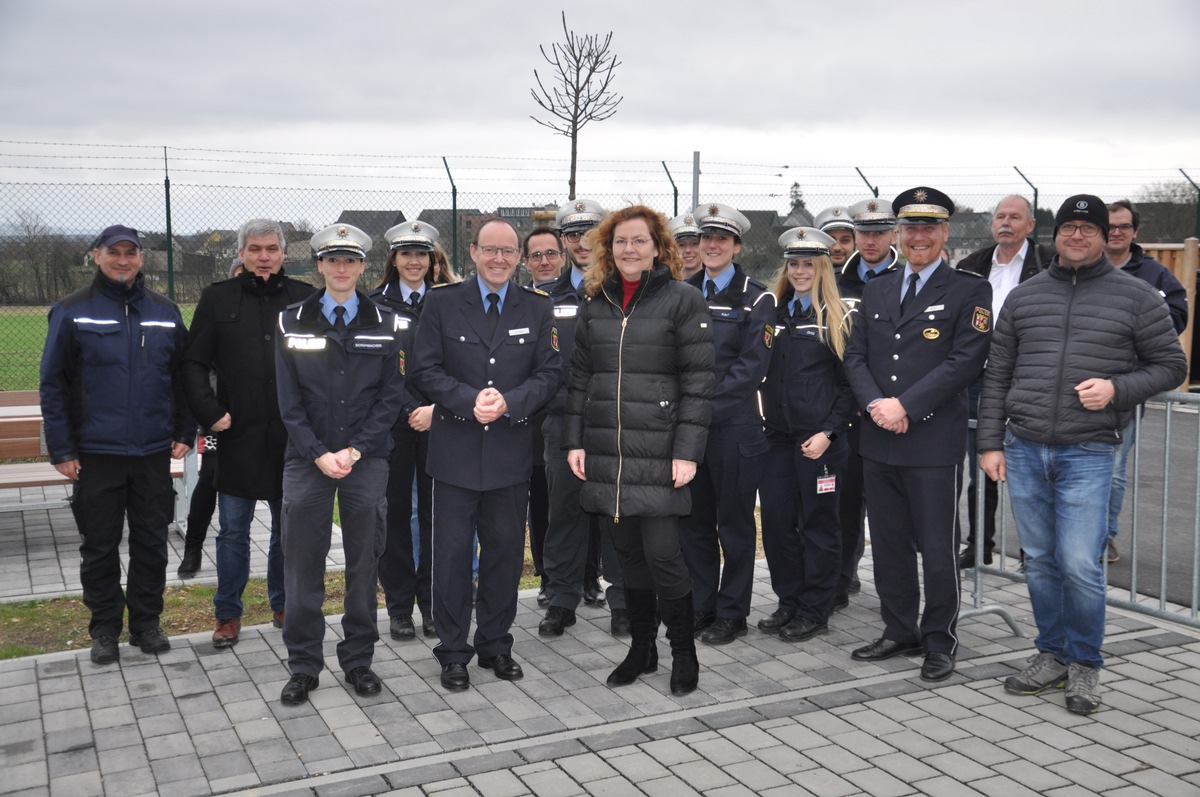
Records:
x=1076, y=350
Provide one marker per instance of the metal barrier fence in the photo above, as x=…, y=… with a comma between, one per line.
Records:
x=1159, y=575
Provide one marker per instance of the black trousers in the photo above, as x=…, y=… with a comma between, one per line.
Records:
x=801, y=534
x=916, y=509
x=111, y=489
x=499, y=518
x=307, y=527
x=851, y=509
x=650, y=556
x=722, y=521
x=402, y=579
x=202, y=504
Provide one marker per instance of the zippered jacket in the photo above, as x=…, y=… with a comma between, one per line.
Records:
x=110, y=373
x=640, y=394
x=1065, y=326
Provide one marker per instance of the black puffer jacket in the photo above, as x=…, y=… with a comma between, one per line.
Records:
x=1065, y=326
x=640, y=394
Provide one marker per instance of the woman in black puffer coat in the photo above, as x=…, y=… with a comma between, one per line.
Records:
x=637, y=414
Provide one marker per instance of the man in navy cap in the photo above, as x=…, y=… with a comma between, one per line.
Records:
x=114, y=411
x=1077, y=349
x=721, y=528
x=921, y=336
x=340, y=390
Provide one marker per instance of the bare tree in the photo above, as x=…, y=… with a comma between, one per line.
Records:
x=579, y=89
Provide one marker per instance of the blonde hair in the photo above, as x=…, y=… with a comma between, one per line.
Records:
x=602, y=264
x=441, y=270
x=833, y=315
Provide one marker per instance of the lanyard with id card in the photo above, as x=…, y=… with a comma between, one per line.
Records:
x=826, y=482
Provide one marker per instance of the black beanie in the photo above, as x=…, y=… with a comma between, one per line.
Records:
x=1083, y=208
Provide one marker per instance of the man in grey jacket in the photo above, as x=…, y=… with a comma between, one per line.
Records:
x=1075, y=351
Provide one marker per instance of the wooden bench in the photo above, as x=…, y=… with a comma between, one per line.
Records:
x=22, y=436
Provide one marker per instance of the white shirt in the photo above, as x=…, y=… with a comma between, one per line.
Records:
x=1004, y=277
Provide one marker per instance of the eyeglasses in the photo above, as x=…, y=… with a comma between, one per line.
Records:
x=1120, y=228
x=637, y=243
x=507, y=252
x=573, y=237
x=1087, y=230
x=549, y=254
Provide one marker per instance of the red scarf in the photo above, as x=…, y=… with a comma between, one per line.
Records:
x=630, y=288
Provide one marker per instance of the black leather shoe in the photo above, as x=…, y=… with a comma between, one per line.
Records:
x=723, y=631
x=455, y=676
x=841, y=601
x=882, y=649
x=427, y=627
x=937, y=667
x=966, y=559
x=296, y=690
x=778, y=619
x=402, y=628
x=592, y=594
x=618, y=625
x=105, y=650
x=189, y=564
x=855, y=585
x=801, y=629
x=364, y=681
x=557, y=619
x=702, y=622
x=543, y=597
x=152, y=640
x=503, y=665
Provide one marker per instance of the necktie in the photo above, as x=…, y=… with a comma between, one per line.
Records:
x=710, y=289
x=797, y=309
x=493, y=312
x=867, y=277
x=414, y=298
x=909, y=294
x=339, y=313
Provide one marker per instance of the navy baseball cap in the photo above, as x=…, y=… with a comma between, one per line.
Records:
x=117, y=233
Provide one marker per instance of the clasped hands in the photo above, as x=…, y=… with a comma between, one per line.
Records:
x=889, y=414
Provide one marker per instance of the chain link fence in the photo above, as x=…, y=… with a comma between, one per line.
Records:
x=47, y=227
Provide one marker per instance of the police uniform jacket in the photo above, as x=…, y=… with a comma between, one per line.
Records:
x=743, y=317
x=805, y=391
x=926, y=357
x=110, y=373
x=338, y=389
x=233, y=333
x=640, y=394
x=567, y=302
x=404, y=323
x=456, y=357
x=850, y=285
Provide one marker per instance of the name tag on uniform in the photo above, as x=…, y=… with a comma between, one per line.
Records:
x=401, y=322
x=521, y=331
x=826, y=484
x=305, y=344
x=566, y=311
x=933, y=308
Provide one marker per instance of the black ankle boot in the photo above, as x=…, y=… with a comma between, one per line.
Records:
x=643, y=628
x=677, y=615
x=189, y=563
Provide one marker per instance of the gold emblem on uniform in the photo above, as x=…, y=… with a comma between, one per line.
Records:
x=981, y=319
x=769, y=335
x=342, y=232
x=800, y=234
x=931, y=334
x=402, y=362
x=688, y=219
x=920, y=195
x=837, y=211
x=580, y=207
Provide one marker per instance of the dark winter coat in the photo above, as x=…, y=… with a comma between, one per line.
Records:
x=1037, y=257
x=233, y=333
x=1149, y=270
x=640, y=394
x=1065, y=326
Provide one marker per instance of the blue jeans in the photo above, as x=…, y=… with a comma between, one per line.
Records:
x=233, y=556
x=1117, y=497
x=1059, y=499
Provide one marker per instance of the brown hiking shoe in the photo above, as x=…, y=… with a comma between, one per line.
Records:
x=226, y=635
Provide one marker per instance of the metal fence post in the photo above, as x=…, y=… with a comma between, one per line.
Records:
x=696, y=178
x=170, y=243
x=1035, y=199
x=674, y=188
x=874, y=188
x=453, y=214
x=1197, y=187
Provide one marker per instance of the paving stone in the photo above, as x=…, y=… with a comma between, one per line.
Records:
x=356, y=787
x=552, y=783
x=499, y=783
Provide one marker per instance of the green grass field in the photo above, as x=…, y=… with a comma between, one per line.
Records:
x=22, y=336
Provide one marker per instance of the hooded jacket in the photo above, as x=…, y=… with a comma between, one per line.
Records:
x=1062, y=327
x=640, y=394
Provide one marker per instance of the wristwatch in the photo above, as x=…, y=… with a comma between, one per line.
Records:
x=832, y=435
x=355, y=454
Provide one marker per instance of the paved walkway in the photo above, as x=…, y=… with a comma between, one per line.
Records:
x=770, y=718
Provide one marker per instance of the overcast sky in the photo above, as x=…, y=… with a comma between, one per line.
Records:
x=1043, y=84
